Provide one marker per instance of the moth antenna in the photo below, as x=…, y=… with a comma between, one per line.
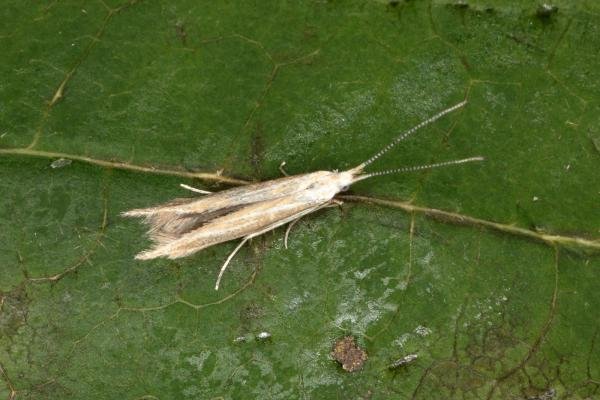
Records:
x=421, y=167
x=410, y=132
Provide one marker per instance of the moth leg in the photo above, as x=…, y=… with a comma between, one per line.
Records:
x=337, y=202
x=224, y=267
x=334, y=203
x=193, y=189
x=255, y=234
x=283, y=170
x=239, y=246
x=287, y=232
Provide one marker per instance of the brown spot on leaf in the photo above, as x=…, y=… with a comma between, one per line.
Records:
x=346, y=352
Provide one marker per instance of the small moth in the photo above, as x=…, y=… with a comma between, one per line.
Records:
x=404, y=361
x=184, y=226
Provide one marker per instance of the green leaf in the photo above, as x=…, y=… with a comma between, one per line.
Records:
x=488, y=272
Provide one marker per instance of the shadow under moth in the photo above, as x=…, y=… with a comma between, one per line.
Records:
x=184, y=226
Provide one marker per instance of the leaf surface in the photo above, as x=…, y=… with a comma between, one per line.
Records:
x=488, y=272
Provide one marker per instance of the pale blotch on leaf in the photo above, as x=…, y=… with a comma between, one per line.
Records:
x=61, y=162
x=263, y=336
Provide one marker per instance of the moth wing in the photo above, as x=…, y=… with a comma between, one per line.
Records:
x=171, y=220
x=242, y=195
x=244, y=221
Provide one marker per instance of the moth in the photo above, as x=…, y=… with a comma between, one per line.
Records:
x=184, y=226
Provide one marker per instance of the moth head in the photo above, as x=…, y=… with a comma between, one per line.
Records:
x=347, y=178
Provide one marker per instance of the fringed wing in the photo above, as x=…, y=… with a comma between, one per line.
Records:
x=171, y=220
x=173, y=241
x=184, y=226
x=232, y=197
x=177, y=217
